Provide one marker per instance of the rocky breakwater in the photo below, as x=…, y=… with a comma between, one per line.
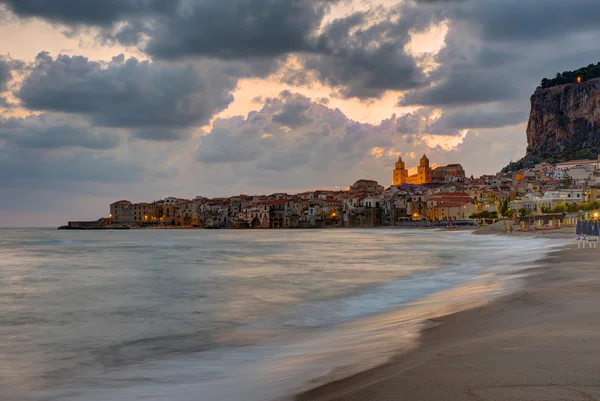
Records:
x=564, y=124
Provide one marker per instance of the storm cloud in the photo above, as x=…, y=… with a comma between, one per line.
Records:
x=55, y=132
x=179, y=28
x=239, y=29
x=320, y=137
x=31, y=168
x=125, y=93
x=294, y=111
x=5, y=74
x=94, y=12
x=527, y=20
x=483, y=117
x=497, y=52
x=364, y=54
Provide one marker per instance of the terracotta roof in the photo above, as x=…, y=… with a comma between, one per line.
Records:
x=447, y=205
x=276, y=202
x=449, y=194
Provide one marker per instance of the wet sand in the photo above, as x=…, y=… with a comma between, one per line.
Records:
x=539, y=344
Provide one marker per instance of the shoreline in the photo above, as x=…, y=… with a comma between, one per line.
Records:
x=538, y=343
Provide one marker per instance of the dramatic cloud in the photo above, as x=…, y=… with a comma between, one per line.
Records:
x=54, y=132
x=418, y=121
x=32, y=168
x=361, y=56
x=94, y=12
x=8, y=67
x=180, y=28
x=312, y=143
x=462, y=88
x=5, y=77
x=488, y=55
x=125, y=93
x=483, y=117
x=5, y=74
x=294, y=111
x=528, y=20
x=364, y=55
x=243, y=28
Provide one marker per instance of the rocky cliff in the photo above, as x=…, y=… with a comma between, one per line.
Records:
x=564, y=124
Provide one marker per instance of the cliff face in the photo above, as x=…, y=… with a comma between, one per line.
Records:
x=564, y=124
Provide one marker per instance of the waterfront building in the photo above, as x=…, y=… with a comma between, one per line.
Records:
x=187, y=213
x=443, y=205
x=451, y=211
x=255, y=216
x=121, y=212
x=418, y=205
x=144, y=213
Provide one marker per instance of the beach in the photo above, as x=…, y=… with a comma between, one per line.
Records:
x=539, y=343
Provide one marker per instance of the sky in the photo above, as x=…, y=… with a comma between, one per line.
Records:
x=102, y=100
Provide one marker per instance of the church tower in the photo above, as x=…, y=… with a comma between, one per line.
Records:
x=424, y=172
x=400, y=173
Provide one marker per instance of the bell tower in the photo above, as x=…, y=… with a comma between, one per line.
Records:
x=400, y=174
x=424, y=172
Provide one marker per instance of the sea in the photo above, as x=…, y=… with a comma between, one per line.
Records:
x=230, y=315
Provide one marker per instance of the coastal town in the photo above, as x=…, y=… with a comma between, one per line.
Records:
x=443, y=194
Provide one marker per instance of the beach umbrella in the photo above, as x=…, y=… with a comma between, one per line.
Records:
x=584, y=227
x=578, y=230
x=590, y=228
x=588, y=225
x=597, y=229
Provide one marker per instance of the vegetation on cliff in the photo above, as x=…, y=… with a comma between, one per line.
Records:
x=568, y=77
x=575, y=152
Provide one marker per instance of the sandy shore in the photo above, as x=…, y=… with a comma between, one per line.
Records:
x=500, y=228
x=540, y=344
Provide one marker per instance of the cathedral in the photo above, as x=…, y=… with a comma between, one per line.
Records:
x=424, y=173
